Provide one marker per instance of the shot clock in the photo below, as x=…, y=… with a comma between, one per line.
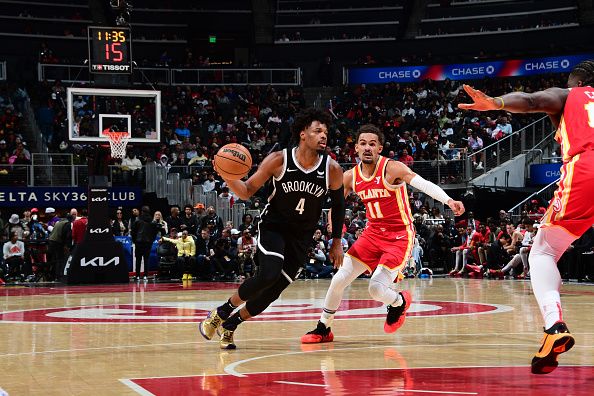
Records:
x=110, y=50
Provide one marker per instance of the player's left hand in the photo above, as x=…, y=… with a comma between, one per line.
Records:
x=336, y=253
x=457, y=207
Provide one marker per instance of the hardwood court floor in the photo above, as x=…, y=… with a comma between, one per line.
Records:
x=462, y=337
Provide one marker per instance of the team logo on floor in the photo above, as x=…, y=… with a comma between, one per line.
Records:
x=281, y=310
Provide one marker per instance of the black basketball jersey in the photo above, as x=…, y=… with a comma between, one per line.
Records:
x=295, y=203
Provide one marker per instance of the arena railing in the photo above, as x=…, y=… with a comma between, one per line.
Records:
x=545, y=194
x=69, y=73
x=3, y=71
x=508, y=147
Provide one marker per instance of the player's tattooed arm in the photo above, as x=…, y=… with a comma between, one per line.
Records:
x=271, y=166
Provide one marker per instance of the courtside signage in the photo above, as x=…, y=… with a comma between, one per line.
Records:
x=466, y=71
x=65, y=196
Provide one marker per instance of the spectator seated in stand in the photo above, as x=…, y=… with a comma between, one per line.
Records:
x=131, y=169
x=13, y=253
x=186, y=255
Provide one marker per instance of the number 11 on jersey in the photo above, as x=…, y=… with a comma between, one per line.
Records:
x=374, y=214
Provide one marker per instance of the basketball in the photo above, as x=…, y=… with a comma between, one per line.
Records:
x=233, y=161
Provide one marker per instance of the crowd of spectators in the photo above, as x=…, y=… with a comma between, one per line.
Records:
x=13, y=148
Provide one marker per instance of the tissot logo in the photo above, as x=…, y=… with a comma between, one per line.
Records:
x=99, y=230
x=99, y=261
x=98, y=199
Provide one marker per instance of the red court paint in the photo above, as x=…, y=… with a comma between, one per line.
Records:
x=575, y=381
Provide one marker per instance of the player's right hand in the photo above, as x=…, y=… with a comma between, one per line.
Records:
x=482, y=101
x=457, y=207
x=336, y=254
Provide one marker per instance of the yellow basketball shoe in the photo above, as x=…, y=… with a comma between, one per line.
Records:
x=555, y=341
x=226, y=341
x=208, y=327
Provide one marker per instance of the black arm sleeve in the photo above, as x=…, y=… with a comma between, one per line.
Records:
x=337, y=197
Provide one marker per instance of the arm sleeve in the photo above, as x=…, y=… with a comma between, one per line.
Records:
x=429, y=188
x=337, y=197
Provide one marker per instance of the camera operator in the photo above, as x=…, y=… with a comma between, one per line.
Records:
x=246, y=248
x=316, y=266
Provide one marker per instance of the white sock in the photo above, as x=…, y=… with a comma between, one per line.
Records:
x=348, y=272
x=327, y=317
x=551, y=308
x=398, y=302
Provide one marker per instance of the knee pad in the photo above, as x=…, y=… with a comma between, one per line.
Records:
x=376, y=289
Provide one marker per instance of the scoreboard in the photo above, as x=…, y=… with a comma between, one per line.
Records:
x=110, y=50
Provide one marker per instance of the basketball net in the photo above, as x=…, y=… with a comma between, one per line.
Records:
x=117, y=143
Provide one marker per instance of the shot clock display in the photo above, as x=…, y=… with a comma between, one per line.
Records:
x=110, y=50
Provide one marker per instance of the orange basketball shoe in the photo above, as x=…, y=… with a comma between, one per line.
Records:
x=320, y=334
x=397, y=315
x=556, y=340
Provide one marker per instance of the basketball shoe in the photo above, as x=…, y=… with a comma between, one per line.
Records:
x=555, y=341
x=397, y=315
x=320, y=334
x=208, y=327
x=226, y=341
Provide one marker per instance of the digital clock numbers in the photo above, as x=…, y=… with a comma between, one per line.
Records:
x=109, y=50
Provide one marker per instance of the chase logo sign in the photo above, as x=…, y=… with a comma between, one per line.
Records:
x=543, y=174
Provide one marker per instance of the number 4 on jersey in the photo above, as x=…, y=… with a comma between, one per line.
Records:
x=300, y=206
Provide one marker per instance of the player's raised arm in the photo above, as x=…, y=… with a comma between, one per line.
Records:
x=550, y=101
x=337, y=194
x=269, y=167
x=398, y=171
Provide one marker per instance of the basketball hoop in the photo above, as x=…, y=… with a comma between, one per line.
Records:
x=117, y=142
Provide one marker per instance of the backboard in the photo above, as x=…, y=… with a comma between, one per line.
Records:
x=91, y=111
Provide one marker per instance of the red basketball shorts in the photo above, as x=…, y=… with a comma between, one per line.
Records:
x=572, y=205
x=390, y=249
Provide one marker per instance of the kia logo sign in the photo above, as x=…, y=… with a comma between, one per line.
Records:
x=99, y=262
x=99, y=230
x=99, y=199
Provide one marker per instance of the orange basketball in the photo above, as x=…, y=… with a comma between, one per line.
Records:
x=233, y=161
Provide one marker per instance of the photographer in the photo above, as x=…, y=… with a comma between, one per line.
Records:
x=316, y=266
x=222, y=260
x=246, y=248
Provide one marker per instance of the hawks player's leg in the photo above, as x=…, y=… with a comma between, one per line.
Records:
x=363, y=256
x=295, y=251
x=271, y=248
x=569, y=215
x=349, y=271
x=397, y=250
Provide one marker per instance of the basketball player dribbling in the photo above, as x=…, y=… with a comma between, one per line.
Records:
x=302, y=178
x=386, y=243
x=570, y=212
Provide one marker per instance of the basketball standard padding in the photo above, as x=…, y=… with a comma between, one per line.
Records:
x=97, y=261
x=233, y=161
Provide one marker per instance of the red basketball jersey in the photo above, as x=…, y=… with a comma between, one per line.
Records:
x=576, y=129
x=386, y=205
